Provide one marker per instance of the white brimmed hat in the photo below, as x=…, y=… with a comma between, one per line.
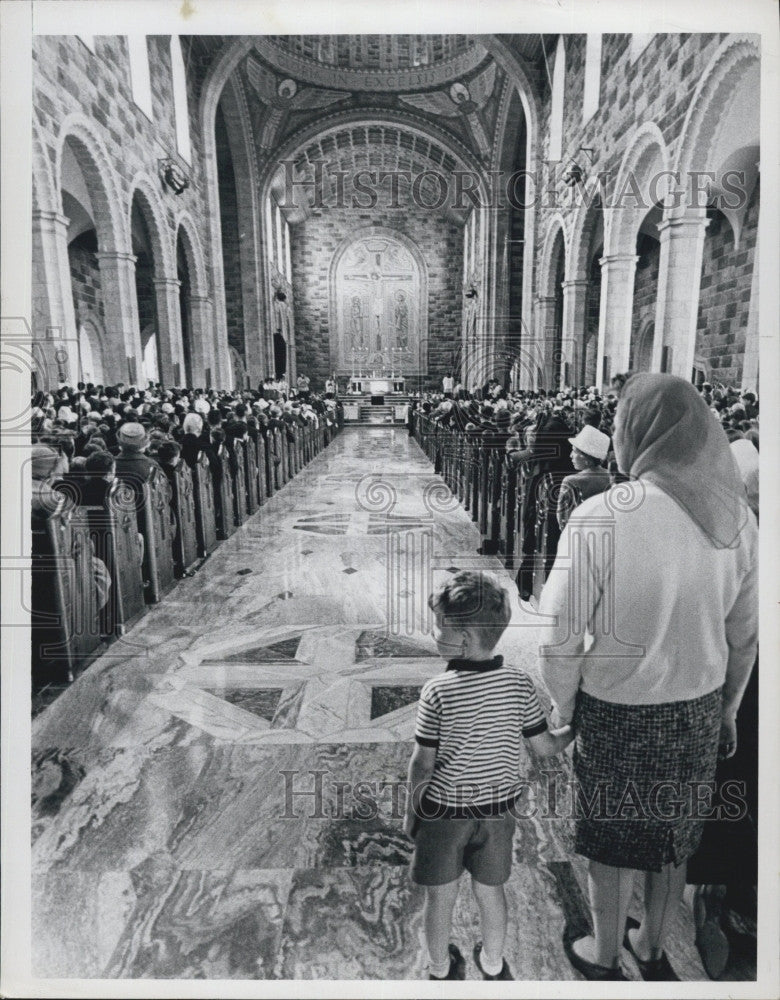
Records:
x=591, y=442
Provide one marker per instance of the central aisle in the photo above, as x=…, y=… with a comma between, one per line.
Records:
x=198, y=809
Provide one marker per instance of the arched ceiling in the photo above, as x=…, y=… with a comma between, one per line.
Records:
x=460, y=94
x=373, y=62
x=449, y=89
x=342, y=153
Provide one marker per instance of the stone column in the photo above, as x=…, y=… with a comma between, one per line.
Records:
x=201, y=348
x=615, y=314
x=575, y=300
x=120, y=306
x=677, y=306
x=53, y=315
x=545, y=340
x=52, y=296
x=750, y=364
x=171, y=360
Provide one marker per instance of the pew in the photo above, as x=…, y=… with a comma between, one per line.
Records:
x=157, y=528
x=506, y=538
x=205, y=511
x=250, y=466
x=490, y=538
x=544, y=507
x=521, y=480
x=277, y=457
x=460, y=466
x=483, y=472
x=238, y=480
x=114, y=532
x=295, y=449
x=474, y=475
x=185, y=545
x=262, y=469
x=181, y=518
x=223, y=497
x=287, y=451
x=270, y=464
x=65, y=623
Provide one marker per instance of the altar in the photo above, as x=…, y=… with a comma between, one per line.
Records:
x=376, y=386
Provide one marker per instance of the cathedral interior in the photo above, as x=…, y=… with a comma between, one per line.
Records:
x=376, y=213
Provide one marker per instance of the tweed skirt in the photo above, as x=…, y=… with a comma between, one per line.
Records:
x=641, y=772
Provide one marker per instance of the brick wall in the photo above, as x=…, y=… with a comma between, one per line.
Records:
x=145, y=292
x=645, y=289
x=85, y=281
x=313, y=244
x=724, y=300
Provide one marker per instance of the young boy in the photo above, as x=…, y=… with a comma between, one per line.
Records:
x=464, y=772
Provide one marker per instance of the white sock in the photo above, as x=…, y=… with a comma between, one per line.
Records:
x=440, y=971
x=489, y=966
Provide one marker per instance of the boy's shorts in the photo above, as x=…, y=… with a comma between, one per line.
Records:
x=444, y=848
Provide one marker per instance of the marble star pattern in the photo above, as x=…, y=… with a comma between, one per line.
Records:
x=196, y=811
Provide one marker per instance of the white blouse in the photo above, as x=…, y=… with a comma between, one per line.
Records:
x=642, y=609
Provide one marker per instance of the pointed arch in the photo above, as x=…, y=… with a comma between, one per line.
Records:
x=645, y=160
x=154, y=216
x=113, y=229
x=555, y=226
x=577, y=266
x=185, y=227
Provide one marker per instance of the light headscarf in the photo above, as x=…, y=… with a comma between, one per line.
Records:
x=664, y=434
x=44, y=461
x=193, y=424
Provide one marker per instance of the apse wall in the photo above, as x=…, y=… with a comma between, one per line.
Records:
x=313, y=245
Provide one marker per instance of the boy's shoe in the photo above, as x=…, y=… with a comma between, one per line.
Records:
x=505, y=972
x=457, y=966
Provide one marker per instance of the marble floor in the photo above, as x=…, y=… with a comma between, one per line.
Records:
x=217, y=796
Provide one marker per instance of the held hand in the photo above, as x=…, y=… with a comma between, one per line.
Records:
x=727, y=745
x=563, y=736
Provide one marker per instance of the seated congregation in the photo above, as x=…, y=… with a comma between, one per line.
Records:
x=133, y=488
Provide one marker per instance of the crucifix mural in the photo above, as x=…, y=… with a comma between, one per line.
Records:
x=377, y=291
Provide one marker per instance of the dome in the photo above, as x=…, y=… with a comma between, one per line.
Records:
x=372, y=62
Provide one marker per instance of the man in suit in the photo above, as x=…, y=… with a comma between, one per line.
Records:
x=589, y=450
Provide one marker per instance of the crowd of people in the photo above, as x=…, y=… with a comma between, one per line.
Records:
x=676, y=705
x=565, y=437
x=91, y=432
x=89, y=439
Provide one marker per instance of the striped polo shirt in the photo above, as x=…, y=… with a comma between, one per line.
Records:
x=476, y=714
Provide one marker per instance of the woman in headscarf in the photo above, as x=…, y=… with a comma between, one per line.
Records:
x=654, y=598
x=193, y=441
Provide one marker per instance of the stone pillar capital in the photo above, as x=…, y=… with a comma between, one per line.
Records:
x=616, y=260
x=52, y=218
x=115, y=258
x=201, y=299
x=683, y=227
x=545, y=300
x=574, y=284
x=166, y=283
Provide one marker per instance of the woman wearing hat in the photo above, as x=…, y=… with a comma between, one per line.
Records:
x=654, y=596
x=588, y=450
